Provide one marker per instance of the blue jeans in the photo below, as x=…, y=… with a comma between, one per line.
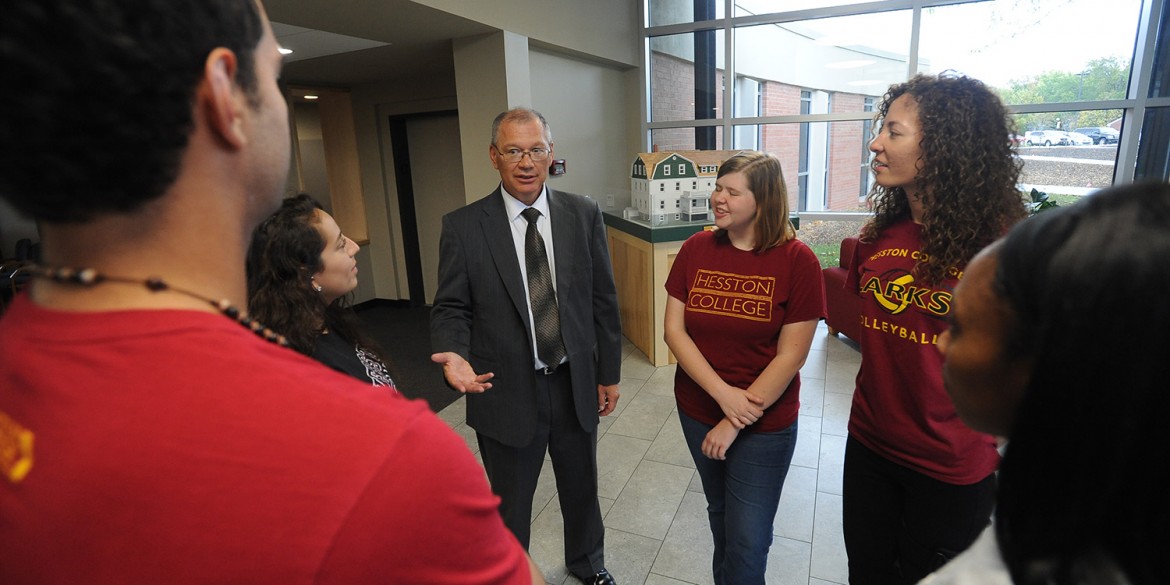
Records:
x=743, y=492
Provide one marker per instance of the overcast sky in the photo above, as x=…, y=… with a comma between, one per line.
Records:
x=996, y=41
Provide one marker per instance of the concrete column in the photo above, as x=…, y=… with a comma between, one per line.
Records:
x=491, y=75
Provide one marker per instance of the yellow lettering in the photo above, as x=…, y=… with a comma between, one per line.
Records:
x=940, y=302
x=872, y=285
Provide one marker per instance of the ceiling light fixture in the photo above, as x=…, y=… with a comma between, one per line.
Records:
x=284, y=51
x=311, y=97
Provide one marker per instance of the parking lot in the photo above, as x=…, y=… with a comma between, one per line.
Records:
x=1078, y=169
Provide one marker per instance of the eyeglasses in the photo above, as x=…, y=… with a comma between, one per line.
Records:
x=513, y=155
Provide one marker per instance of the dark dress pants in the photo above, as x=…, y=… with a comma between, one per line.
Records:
x=514, y=472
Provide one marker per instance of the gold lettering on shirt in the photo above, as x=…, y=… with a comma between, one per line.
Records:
x=16, y=449
x=732, y=295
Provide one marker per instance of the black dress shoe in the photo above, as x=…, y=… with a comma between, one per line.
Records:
x=601, y=578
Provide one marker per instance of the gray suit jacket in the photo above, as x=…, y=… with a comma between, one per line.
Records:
x=481, y=311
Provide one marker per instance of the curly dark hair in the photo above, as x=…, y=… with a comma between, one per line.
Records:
x=969, y=171
x=284, y=255
x=104, y=109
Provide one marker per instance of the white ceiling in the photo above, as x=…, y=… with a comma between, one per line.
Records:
x=307, y=43
x=340, y=43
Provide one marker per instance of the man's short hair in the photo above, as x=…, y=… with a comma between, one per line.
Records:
x=102, y=96
x=520, y=115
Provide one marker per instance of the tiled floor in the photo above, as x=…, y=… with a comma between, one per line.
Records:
x=651, y=498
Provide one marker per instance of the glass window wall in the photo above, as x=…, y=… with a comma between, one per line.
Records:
x=802, y=78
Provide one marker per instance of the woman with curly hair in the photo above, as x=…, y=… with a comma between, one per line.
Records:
x=300, y=268
x=918, y=484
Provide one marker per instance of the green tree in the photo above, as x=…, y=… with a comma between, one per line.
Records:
x=1102, y=79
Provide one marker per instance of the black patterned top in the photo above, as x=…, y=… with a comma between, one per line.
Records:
x=335, y=352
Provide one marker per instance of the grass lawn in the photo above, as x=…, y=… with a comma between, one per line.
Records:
x=829, y=254
x=1064, y=200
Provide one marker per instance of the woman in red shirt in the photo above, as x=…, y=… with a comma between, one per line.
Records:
x=918, y=484
x=743, y=305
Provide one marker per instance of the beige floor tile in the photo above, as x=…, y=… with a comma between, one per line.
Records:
x=841, y=377
x=814, y=365
x=628, y=557
x=670, y=446
x=788, y=562
x=835, y=420
x=829, y=561
x=687, y=549
x=696, y=484
x=656, y=579
x=617, y=458
x=468, y=435
x=637, y=366
x=808, y=442
x=831, y=465
x=650, y=499
x=455, y=413
x=628, y=389
x=794, y=517
x=547, y=545
x=603, y=425
x=842, y=350
x=662, y=381
x=643, y=417
x=812, y=396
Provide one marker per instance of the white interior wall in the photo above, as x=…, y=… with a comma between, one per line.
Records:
x=313, y=175
x=604, y=29
x=592, y=107
x=438, y=187
x=586, y=106
x=492, y=74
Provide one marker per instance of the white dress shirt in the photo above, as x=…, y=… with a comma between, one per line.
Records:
x=519, y=225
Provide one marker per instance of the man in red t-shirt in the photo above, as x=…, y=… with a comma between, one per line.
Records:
x=145, y=435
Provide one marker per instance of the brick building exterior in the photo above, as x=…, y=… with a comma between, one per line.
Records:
x=833, y=178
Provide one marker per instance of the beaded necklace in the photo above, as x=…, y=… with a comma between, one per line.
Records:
x=90, y=277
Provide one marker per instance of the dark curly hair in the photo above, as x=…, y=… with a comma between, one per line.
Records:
x=969, y=171
x=284, y=255
x=104, y=107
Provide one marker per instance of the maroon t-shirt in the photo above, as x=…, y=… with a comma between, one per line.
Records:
x=736, y=303
x=900, y=408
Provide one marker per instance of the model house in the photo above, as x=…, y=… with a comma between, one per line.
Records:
x=675, y=185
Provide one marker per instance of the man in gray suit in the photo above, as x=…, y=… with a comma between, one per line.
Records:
x=532, y=384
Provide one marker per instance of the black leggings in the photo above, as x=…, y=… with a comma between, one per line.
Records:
x=901, y=525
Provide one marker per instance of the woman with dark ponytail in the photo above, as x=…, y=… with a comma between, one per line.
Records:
x=1058, y=343
x=300, y=269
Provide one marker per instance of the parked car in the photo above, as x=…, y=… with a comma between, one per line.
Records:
x=1100, y=134
x=1046, y=138
x=1078, y=139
